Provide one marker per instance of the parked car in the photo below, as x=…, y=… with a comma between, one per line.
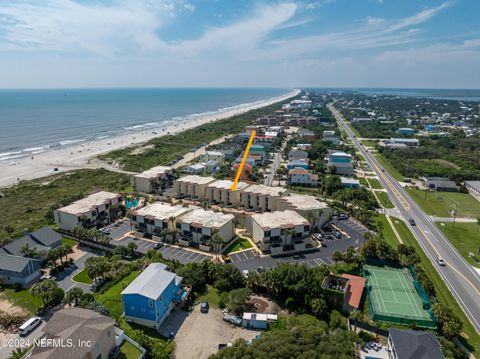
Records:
x=204, y=306
x=412, y=222
x=337, y=234
x=342, y=216
x=45, y=277
x=29, y=325
x=158, y=245
x=105, y=230
x=261, y=269
x=226, y=258
x=245, y=273
x=232, y=319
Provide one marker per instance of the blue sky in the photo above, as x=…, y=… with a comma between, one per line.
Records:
x=239, y=43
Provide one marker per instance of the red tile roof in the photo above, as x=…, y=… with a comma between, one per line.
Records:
x=354, y=290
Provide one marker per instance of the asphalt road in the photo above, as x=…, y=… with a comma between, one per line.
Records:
x=462, y=280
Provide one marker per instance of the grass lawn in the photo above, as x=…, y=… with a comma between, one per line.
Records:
x=69, y=242
x=389, y=168
x=439, y=203
x=384, y=200
x=82, y=277
x=21, y=298
x=211, y=296
x=369, y=143
x=443, y=293
x=239, y=244
x=128, y=351
x=112, y=299
x=388, y=233
x=466, y=238
x=349, y=124
x=374, y=183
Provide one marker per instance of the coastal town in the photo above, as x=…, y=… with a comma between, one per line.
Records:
x=160, y=253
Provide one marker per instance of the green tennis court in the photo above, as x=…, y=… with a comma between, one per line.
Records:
x=395, y=296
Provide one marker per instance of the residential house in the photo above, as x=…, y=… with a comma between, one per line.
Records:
x=335, y=140
x=16, y=269
x=94, y=210
x=351, y=286
x=350, y=182
x=318, y=213
x=195, y=168
x=154, y=180
x=158, y=220
x=212, y=166
x=303, y=163
x=413, y=344
x=362, y=119
x=192, y=186
x=258, y=197
x=280, y=232
x=306, y=135
x=42, y=241
x=340, y=163
x=296, y=154
x=151, y=297
x=214, y=156
x=197, y=227
x=302, y=177
x=221, y=192
x=473, y=187
x=410, y=142
x=304, y=146
x=265, y=141
x=77, y=325
x=258, y=150
x=257, y=320
x=406, y=131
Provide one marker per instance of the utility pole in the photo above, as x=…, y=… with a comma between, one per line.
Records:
x=455, y=213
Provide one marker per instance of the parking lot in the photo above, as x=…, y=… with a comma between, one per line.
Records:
x=182, y=255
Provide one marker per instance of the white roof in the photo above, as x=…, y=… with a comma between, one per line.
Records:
x=283, y=219
x=214, y=153
x=208, y=219
x=259, y=316
x=163, y=211
x=88, y=203
x=197, y=166
x=339, y=153
x=152, y=282
x=227, y=184
x=154, y=172
x=196, y=179
x=304, y=202
x=266, y=190
x=349, y=180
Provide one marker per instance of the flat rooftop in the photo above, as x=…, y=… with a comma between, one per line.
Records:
x=154, y=172
x=282, y=219
x=203, y=218
x=196, y=179
x=266, y=190
x=88, y=203
x=162, y=210
x=227, y=184
x=304, y=202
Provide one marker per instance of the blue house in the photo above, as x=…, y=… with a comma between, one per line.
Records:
x=350, y=182
x=406, y=131
x=16, y=269
x=150, y=298
x=297, y=164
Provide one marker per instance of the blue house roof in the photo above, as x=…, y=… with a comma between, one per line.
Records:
x=152, y=282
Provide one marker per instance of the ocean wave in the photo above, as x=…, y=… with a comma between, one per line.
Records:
x=11, y=157
x=144, y=125
x=69, y=142
x=35, y=149
x=7, y=154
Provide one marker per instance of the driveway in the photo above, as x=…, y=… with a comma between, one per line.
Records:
x=198, y=335
x=64, y=279
x=8, y=344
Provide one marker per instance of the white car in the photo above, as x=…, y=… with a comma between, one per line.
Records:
x=245, y=273
x=45, y=277
x=441, y=262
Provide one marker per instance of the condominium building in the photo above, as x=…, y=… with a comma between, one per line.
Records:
x=154, y=180
x=198, y=226
x=318, y=213
x=221, y=192
x=192, y=186
x=258, y=197
x=280, y=232
x=97, y=209
x=158, y=220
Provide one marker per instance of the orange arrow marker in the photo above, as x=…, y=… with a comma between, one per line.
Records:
x=244, y=158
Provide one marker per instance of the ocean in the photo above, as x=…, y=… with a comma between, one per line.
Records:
x=34, y=121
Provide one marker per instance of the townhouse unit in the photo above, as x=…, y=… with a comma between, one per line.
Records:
x=94, y=210
x=318, y=213
x=403, y=344
x=42, y=241
x=17, y=269
x=302, y=177
x=151, y=297
x=280, y=232
x=197, y=227
x=154, y=180
x=76, y=326
x=192, y=186
x=258, y=197
x=296, y=154
x=214, y=156
x=221, y=192
x=158, y=220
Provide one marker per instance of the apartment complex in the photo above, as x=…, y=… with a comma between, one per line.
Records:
x=258, y=197
x=192, y=186
x=97, y=209
x=318, y=213
x=221, y=192
x=154, y=180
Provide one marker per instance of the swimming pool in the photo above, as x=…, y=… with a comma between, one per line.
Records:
x=131, y=203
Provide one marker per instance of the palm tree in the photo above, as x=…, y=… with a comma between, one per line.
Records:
x=73, y=296
x=288, y=232
x=216, y=243
x=18, y=353
x=44, y=290
x=131, y=248
x=357, y=316
x=337, y=257
x=28, y=251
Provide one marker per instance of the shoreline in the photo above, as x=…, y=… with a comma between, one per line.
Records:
x=80, y=155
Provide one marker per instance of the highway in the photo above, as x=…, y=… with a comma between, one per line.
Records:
x=459, y=276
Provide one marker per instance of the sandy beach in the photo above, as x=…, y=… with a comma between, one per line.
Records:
x=81, y=156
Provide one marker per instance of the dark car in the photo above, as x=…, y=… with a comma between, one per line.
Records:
x=412, y=222
x=342, y=216
x=204, y=307
x=337, y=234
x=158, y=245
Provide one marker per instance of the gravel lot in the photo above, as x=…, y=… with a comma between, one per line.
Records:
x=199, y=334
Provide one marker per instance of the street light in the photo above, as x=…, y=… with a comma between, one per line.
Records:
x=454, y=213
